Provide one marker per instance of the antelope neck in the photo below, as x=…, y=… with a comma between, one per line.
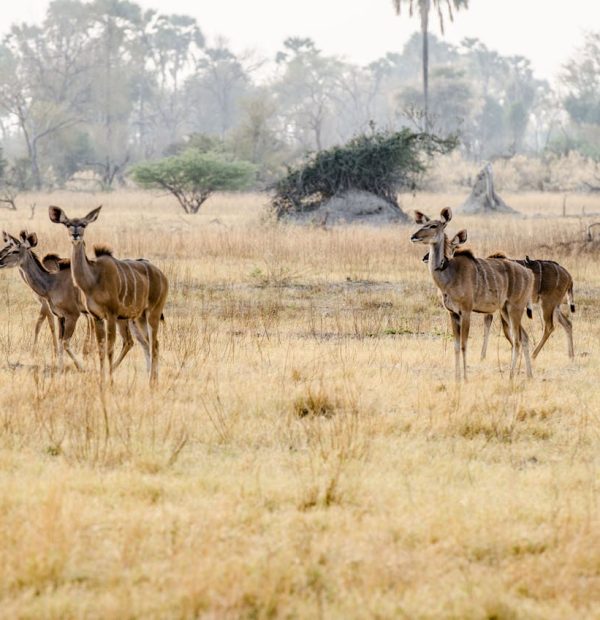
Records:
x=35, y=275
x=83, y=274
x=439, y=261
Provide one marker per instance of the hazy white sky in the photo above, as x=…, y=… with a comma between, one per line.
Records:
x=546, y=31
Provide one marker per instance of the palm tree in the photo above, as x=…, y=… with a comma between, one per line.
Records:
x=424, y=7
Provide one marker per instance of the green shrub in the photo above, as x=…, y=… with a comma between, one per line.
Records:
x=193, y=176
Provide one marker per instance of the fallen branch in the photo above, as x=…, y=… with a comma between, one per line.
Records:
x=8, y=202
x=590, y=236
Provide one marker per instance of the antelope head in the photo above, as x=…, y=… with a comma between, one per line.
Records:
x=15, y=249
x=431, y=231
x=77, y=225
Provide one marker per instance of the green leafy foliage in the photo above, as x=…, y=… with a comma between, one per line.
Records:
x=382, y=163
x=193, y=176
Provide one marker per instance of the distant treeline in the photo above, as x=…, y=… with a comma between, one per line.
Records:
x=101, y=85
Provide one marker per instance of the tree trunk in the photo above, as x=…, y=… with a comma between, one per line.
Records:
x=36, y=178
x=32, y=154
x=425, y=34
x=107, y=100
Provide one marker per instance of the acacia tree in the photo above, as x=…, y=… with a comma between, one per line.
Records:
x=424, y=8
x=193, y=176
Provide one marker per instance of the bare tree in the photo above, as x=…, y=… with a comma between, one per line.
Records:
x=45, y=80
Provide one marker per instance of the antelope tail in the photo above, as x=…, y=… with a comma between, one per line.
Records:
x=529, y=310
x=570, y=299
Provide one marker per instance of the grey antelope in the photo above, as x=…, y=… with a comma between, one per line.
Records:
x=470, y=284
x=116, y=289
x=553, y=285
x=55, y=289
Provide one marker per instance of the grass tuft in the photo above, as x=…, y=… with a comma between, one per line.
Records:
x=306, y=453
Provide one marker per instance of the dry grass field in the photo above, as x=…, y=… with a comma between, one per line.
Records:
x=307, y=453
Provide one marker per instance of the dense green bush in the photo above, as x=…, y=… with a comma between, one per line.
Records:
x=382, y=163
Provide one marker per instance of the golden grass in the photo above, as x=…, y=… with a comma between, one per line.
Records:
x=307, y=453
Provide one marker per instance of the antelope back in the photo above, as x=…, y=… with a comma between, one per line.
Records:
x=522, y=283
x=135, y=284
x=500, y=279
x=550, y=278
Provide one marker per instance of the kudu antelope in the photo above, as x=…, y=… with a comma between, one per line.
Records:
x=552, y=286
x=51, y=263
x=116, y=289
x=470, y=284
x=45, y=314
x=54, y=289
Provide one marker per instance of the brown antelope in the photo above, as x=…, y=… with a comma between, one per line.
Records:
x=56, y=291
x=470, y=284
x=452, y=246
x=553, y=285
x=52, y=263
x=116, y=289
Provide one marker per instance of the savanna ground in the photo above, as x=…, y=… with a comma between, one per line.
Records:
x=307, y=453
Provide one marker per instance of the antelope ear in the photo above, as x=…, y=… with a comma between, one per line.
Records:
x=32, y=240
x=10, y=239
x=420, y=218
x=50, y=262
x=446, y=214
x=57, y=215
x=23, y=235
x=92, y=216
x=459, y=238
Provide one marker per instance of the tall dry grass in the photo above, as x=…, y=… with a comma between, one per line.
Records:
x=306, y=453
